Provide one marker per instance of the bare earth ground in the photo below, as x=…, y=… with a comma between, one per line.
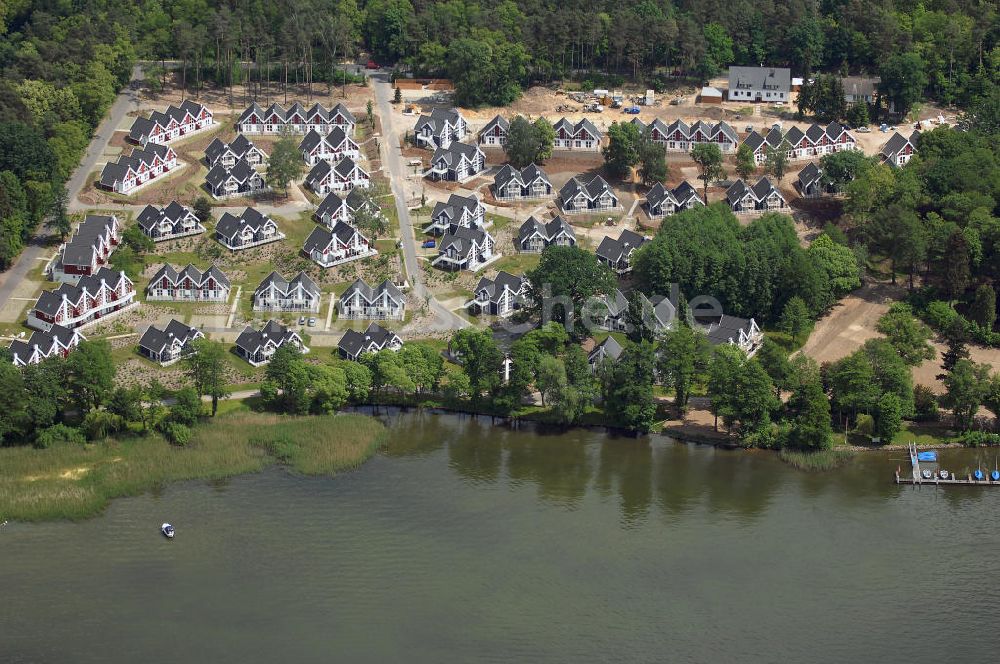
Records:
x=540, y=101
x=852, y=322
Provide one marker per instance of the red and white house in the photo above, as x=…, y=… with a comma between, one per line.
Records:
x=95, y=297
x=296, y=119
x=334, y=146
x=898, y=150
x=494, y=134
x=679, y=137
x=140, y=168
x=583, y=135
x=817, y=141
x=341, y=244
x=176, y=122
x=188, y=285
x=59, y=341
x=88, y=250
x=812, y=143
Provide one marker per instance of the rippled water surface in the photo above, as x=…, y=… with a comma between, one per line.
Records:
x=467, y=543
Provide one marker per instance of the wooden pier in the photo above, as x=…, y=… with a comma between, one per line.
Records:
x=918, y=478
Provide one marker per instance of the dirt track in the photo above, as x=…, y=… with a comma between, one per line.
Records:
x=852, y=323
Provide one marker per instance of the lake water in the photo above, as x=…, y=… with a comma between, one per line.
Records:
x=469, y=543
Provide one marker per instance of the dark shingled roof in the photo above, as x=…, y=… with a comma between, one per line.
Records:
x=354, y=343
x=155, y=340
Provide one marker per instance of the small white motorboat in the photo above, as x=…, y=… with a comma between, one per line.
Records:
x=167, y=530
x=943, y=474
x=928, y=474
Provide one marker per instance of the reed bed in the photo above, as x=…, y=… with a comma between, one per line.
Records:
x=816, y=461
x=74, y=482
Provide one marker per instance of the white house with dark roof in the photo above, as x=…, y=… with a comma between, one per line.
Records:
x=583, y=136
x=144, y=165
x=176, y=122
x=741, y=332
x=336, y=208
x=332, y=147
x=97, y=296
x=760, y=84
x=354, y=344
x=617, y=253
x=188, y=284
x=169, y=344
x=346, y=174
x=499, y=296
x=534, y=236
x=528, y=183
x=810, y=181
x=898, y=150
x=861, y=89
x=258, y=346
x=610, y=312
x=58, y=341
x=456, y=163
x=762, y=197
x=464, y=211
x=168, y=223
x=662, y=202
x=328, y=247
x=228, y=154
x=592, y=196
x=494, y=134
x=463, y=248
x=275, y=293
x=88, y=249
x=240, y=180
x=296, y=119
x=361, y=301
x=608, y=350
x=440, y=129
x=250, y=229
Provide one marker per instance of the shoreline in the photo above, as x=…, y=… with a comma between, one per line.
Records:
x=71, y=482
x=680, y=432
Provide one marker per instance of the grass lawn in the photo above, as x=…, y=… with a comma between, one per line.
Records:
x=517, y=263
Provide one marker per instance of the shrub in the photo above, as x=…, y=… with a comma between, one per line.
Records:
x=99, y=424
x=59, y=433
x=980, y=439
x=177, y=433
x=925, y=404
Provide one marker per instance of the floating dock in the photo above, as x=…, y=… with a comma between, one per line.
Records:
x=918, y=478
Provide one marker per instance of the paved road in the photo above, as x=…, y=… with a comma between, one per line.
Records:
x=393, y=159
x=37, y=248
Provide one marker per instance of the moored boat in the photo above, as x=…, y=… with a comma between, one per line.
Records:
x=943, y=474
x=167, y=530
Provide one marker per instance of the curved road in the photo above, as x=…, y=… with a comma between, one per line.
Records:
x=445, y=319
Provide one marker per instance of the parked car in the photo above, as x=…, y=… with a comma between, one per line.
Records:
x=372, y=65
x=749, y=128
x=631, y=110
x=863, y=130
x=429, y=244
x=312, y=322
x=302, y=320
